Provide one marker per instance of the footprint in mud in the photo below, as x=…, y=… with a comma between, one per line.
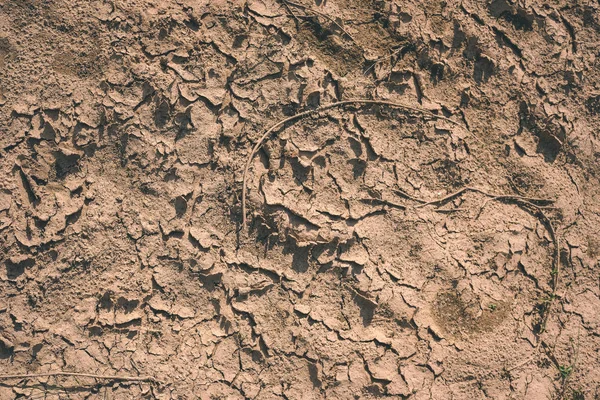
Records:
x=460, y=313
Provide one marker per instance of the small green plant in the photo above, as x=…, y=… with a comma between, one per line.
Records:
x=493, y=307
x=565, y=371
x=548, y=299
x=577, y=395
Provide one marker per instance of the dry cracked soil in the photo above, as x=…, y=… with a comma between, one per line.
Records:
x=438, y=239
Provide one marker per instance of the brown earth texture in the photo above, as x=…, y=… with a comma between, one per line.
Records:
x=308, y=199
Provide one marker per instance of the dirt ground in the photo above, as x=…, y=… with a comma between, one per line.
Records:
x=440, y=242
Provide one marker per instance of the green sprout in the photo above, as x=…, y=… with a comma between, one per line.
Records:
x=565, y=370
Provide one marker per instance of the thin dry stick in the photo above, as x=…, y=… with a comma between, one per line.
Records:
x=301, y=115
x=384, y=203
x=402, y=193
x=383, y=59
x=477, y=190
x=62, y=373
x=521, y=364
x=308, y=9
x=287, y=7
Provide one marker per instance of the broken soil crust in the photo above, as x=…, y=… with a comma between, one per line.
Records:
x=447, y=250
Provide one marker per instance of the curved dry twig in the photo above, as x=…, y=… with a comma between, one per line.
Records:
x=483, y=192
x=301, y=115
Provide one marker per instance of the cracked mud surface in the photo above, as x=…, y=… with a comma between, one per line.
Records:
x=390, y=253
